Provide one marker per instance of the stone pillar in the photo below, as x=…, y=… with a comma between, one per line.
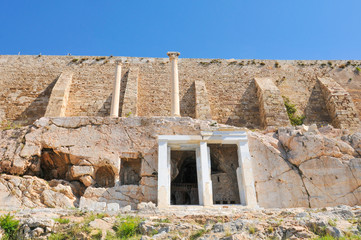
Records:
x=164, y=177
x=247, y=191
x=205, y=193
x=114, y=110
x=173, y=57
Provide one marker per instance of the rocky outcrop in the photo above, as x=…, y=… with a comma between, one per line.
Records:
x=88, y=151
x=30, y=192
x=67, y=162
x=306, y=166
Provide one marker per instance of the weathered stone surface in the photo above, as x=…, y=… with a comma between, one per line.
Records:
x=293, y=167
x=303, y=167
x=78, y=171
x=27, y=191
x=271, y=105
x=339, y=104
x=87, y=180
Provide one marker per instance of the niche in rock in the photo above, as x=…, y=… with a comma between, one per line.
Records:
x=184, y=187
x=224, y=163
x=130, y=171
x=104, y=177
x=54, y=165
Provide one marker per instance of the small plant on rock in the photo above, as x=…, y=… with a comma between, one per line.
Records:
x=333, y=222
x=62, y=220
x=10, y=226
x=251, y=230
x=291, y=112
x=197, y=234
x=127, y=227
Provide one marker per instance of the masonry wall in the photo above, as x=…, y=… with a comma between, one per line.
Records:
x=26, y=83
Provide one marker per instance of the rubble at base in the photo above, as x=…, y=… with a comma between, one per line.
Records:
x=223, y=222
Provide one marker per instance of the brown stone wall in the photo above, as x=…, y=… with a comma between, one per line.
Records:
x=272, y=109
x=339, y=104
x=26, y=83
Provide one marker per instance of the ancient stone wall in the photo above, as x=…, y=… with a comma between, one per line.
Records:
x=339, y=104
x=27, y=81
x=272, y=108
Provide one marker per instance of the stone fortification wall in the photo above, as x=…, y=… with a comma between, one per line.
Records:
x=26, y=83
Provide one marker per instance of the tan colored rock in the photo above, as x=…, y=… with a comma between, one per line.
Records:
x=100, y=224
x=33, y=192
x=78, y=171
x=87, y=180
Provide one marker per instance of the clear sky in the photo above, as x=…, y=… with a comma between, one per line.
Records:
x=246, y=29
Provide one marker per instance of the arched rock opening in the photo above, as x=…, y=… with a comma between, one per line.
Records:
x=105, y=177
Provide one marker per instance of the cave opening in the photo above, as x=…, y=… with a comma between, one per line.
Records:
x=55, y=168
x=104, y=177
x=54, y=165
x=224, y=164
x=184, y=183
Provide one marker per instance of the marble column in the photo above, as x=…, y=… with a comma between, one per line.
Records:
x=245, y=177
x=205, y=192
x=114, y=110
x=164, y=174
x=173, y=57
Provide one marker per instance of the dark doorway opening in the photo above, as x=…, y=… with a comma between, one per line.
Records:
x=224, y=164
x=130, y=171
x=184, y=186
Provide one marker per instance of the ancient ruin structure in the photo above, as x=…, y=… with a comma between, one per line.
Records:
x=176, y=131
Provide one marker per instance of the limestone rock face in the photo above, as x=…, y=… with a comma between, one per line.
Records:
x=32, y=192
x=87, y=152
x=306, y=167
x=66, y=162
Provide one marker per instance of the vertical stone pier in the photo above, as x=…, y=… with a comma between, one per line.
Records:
x=58, y=100
x=339, y=104
x=203, y=108
x=272, y=108
x=173, y=57
x=130, y=102
x=114, y=110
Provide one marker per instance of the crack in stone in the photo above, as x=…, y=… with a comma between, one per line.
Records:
x=300, y=173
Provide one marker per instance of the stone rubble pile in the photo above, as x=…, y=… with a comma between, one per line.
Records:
x=217, y=223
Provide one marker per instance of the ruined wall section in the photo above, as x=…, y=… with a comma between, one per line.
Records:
x=272, y=109
x=25, y=86
x=26, y=83
x=339, y=104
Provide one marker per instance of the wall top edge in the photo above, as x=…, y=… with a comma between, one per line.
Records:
x=166, y=58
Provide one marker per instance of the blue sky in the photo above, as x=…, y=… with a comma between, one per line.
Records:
x=246, y=29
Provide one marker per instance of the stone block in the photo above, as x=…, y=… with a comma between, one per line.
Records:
x=87, y=180
x=78, y=171
x=113, y=207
